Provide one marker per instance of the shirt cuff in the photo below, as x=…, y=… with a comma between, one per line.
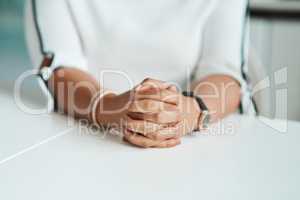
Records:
x=69, y=60
x=204, y=71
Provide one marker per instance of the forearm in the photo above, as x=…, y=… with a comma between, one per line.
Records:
x=221, y=93
x=73, y=91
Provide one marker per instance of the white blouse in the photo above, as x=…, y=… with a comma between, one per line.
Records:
x=123, y=42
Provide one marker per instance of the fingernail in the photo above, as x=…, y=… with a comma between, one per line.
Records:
x=173, y=88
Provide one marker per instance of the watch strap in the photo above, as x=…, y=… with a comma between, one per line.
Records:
x=204, y=119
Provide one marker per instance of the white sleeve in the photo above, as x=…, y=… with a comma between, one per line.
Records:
x=223, y=50
x=50, y=28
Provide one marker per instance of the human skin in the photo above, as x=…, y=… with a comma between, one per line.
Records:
x=152, y=114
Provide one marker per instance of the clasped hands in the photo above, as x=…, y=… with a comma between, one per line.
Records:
x=158, y=115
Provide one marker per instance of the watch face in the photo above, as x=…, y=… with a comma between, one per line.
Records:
x=205, y=119
x=45, y=73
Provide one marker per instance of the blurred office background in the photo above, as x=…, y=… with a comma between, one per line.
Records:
x=13, y=54
x=275, y=36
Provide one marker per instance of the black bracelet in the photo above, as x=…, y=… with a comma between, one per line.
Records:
x=205, y=117
x=198, y=99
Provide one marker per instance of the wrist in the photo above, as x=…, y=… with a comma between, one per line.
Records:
x=111, y=109
x=204, y=116
x=196, y=115
x=192, y=113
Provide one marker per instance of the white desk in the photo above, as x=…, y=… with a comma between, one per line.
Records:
x=256, y=162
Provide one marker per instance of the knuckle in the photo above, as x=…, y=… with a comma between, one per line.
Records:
x=156, y=136
x=149, y=135
x=168, y=97
x=158, y=117
x=150, y=104
x=147, y=103
x=174, y=88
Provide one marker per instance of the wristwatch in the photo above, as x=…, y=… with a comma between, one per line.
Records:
x=204, y=118
x=45, y=70
x=44, y=73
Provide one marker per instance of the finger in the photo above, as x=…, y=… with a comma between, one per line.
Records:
x=168, y=143
x=172, y=132
x=138, y=140
x=140, y=126
x=151, y=106
x=153, y=83
x=173, y=88
x=144, y=142
x=167, y=96
x=164, y=117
